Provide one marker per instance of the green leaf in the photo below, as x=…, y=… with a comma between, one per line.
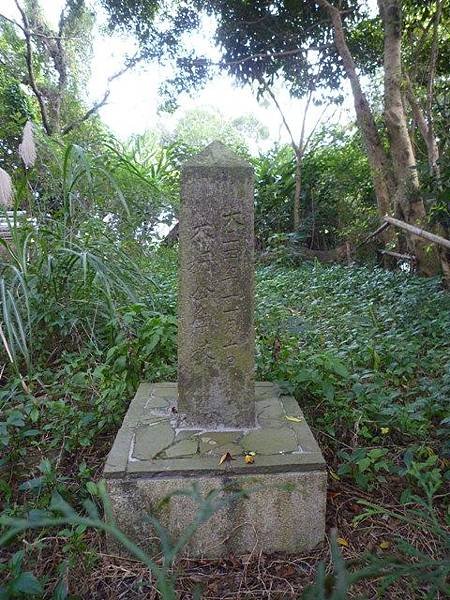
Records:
x=15, y=419
x=91, y=487
x=32, y=484
x=61, y=590
x=27, y=583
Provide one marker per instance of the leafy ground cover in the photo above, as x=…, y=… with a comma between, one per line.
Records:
x=366, y=353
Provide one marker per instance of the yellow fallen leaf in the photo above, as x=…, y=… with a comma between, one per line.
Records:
x=342, y=542
x=249, y=459
x=294, y=419
x=225, y=458
x=384, y=545
x=385, y=430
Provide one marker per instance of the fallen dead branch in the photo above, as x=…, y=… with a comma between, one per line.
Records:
x=398, y=255
x=377, y=231
x=432, y=237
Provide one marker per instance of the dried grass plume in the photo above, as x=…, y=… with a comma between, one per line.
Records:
x=27, y=148
x=6, y=188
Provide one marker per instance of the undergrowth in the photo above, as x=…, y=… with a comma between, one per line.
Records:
x=365, y=351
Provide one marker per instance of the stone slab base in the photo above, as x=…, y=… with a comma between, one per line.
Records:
x=276, y=503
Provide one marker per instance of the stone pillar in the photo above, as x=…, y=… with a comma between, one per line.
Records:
x=216, y=291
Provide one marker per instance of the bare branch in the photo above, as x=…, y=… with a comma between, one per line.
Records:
x=30, y=31
x=97, y=105
x=432, y=237
x=417, y=111
x=303, y=127
x=316, y=125
x=283, y=117
x=15, y=23
x=87, y=114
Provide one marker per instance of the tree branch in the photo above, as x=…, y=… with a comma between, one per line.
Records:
x=317, y=123
x=432, y=237
x=262, y=55
x=30, y=31
x=29, y=60
x=285, y=123
x=303, y=127
x=97, y=105
x=417, y=111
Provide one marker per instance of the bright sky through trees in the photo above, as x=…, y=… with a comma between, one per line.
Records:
x=133, y=103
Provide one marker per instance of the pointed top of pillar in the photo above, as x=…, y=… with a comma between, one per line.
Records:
x=217, y=155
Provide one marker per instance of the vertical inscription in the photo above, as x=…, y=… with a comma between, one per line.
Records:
x=216, y=338
x=201, y=268
x=232, y=228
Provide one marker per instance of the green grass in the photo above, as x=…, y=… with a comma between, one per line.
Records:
x=366, y=352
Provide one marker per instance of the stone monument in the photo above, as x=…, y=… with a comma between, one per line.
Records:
x=204, y=429
x=216, y=350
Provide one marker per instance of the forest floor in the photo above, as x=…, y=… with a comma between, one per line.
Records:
x=367, y=355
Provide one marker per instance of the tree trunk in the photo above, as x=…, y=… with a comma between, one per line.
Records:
x=444, y=255
x=383, y=180
x=407, y=197
x=433, y=163
x=427, y=134
x=298, y=191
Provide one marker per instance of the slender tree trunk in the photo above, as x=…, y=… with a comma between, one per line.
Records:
x=383, y=180
x=427, y=134
x=408, y=196
x=444, y=256
x=298, y=190
x=423, y=118
x=433, y=150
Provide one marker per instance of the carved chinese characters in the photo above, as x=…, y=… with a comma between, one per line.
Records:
x=216, y=295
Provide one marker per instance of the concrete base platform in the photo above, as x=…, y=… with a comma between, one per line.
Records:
x=276, y=503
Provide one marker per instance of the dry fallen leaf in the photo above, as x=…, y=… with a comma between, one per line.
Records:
x=294, y=419
x=334, y=475
x=249, y=459
x=342, y=542
x=225, y=458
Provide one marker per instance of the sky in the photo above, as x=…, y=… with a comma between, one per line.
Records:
x=133, y=103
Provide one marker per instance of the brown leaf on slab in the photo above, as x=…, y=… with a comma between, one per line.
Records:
x=225, y=458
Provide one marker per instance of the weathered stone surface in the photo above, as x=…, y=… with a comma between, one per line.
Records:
x=151, y=442
x=152, y=439
x=217, y=444
x=287, y=482
x=183, y=448
x=216, y=297
x=283, y=512
x=271, y=440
